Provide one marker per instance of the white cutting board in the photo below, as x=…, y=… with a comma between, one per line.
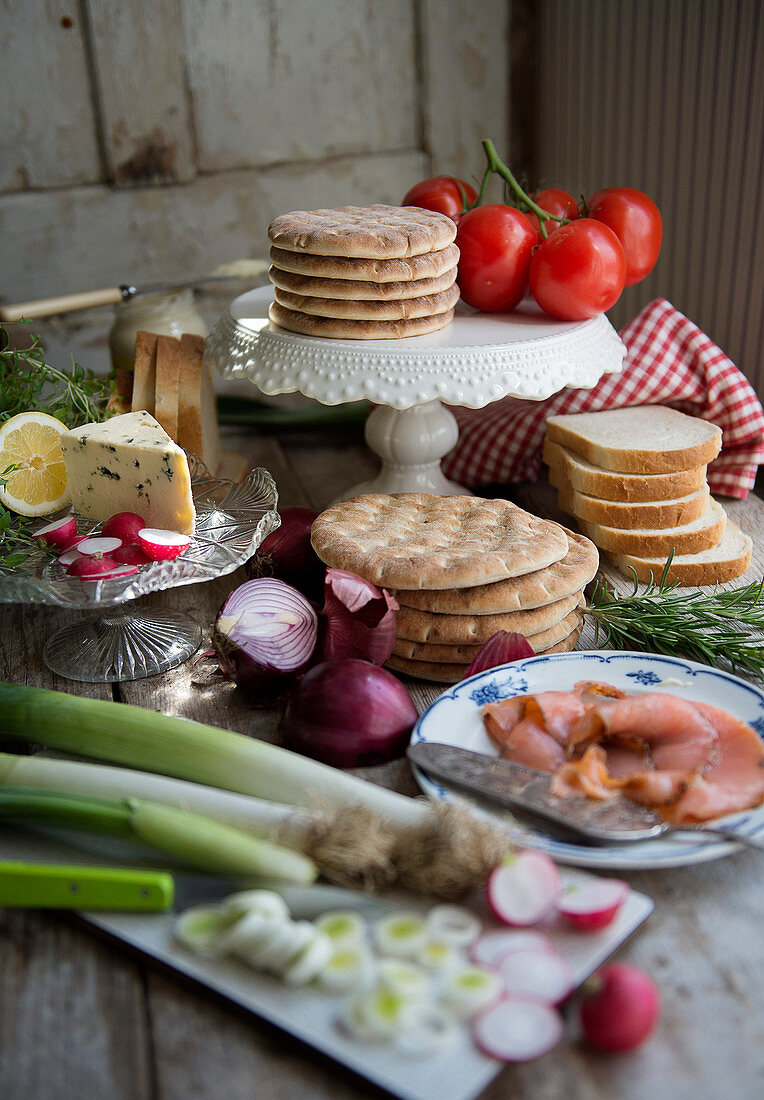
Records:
x=459, y=1072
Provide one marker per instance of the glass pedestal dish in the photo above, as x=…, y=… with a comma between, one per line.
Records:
x=478, y=359
x=118, y=641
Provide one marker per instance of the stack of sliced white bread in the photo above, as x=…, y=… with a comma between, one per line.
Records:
x=635, y=481
x=171, y=381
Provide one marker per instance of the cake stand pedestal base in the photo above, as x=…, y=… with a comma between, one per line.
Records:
x=411, y=443
x=118, y=646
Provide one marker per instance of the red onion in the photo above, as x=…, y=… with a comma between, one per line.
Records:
x=358, y=619
x=500, y=649
x=265, y=634
x=287, y=554
x=349, y=713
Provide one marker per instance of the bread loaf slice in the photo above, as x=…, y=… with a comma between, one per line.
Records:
x=690, y=538
x=596, y=481
x=144, y=375
x=643, y=439
x=197, y=416
x=642, y=514
x=166, y=392
x=721, y=563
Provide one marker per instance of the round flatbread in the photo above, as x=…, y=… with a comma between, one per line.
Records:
x=427, y=628
x=420, y=540
x=447, y=673
x=425, y=305
x=401, y=270
x=373, y=232
x=338, y=328
x=357, y=290
x=544, y=586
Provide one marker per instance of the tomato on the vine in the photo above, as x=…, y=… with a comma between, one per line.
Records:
x=579, y=271
x=636, y=222
x=495, y=246
x=442, y=194
x=554, y=201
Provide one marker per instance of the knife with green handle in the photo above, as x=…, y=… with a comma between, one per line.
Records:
x=69, y=886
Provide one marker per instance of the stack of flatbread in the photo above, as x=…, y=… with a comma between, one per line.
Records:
x=461, y=568
x=363, y=272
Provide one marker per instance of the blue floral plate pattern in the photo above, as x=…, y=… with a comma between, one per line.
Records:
x=455, y=719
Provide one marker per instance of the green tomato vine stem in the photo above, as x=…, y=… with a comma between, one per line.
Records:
x=497, y=165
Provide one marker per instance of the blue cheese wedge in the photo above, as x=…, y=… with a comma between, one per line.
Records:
x=129, y=464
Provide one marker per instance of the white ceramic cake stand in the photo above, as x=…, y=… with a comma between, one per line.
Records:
x=478, y=359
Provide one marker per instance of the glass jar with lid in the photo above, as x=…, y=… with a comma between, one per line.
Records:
x=170, y=313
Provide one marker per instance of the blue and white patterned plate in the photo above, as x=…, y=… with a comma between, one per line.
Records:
x=455, y=719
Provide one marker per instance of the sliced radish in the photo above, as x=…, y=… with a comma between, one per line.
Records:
x=491, y=949
x=100, y=546
x=524, y=888
x=453, y=924
x=543, y=975
x=124, y=526
x=130, y=555
x=162, y=545
x=71, y=553
x=594, y=904
x=517, y=1030
x=97, y=568
x=59, y=533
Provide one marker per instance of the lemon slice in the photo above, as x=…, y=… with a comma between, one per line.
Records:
x=31, y=442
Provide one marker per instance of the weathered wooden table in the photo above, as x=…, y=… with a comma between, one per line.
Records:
x=80, y=1017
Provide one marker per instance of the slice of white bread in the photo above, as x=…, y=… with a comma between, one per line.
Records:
x=145, y=372
x=721, y=563
x=642, y=514
x=642, y=439
x=689, y=538
x=197, y=416
x=596, y=481
x=166, y=392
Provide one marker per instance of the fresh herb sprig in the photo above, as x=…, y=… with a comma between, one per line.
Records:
x=717, y=627
x=28, y=381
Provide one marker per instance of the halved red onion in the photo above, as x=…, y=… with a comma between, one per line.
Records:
x=349, y=713
x=358, y=619
x=265, y=634
x=500, y=649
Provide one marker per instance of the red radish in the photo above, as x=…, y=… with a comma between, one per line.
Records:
x=524, y=888
x=124, y=526
x=97, y=568
x=69, y=555
x=130, y=555
x=542, y=975
x=162, y=545
x=517, y=1030
x=75, y=541
x=594, y=904
x=619, y=1008
x=98, y=546
x=491, y=949
x=59, y=533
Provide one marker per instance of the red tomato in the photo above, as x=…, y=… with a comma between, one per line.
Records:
x=495, y=247
x=441, y=193
x=579, y=271
x=556, y=202
x=636, y=222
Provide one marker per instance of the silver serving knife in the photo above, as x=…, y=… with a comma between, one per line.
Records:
x=527, y=790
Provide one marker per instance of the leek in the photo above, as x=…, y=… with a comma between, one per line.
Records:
x=198, y=841
x=145, y=739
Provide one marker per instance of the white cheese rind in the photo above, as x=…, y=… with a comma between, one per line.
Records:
x=129, y=464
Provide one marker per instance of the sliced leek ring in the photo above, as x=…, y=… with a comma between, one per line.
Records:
x=453, y=924
x=471, y=988
x=401, y=935
x=344, y=927
x=310, y=961
x=437, y=956
x=266, y=902
x=348, y=968
x=200, y=929
x=405, y=979
x=423, y=1029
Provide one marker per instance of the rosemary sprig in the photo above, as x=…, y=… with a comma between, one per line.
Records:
x=717, y=627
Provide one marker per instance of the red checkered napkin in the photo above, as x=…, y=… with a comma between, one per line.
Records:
x=669, y=361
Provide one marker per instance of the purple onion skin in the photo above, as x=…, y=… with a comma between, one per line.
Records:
x=501, y=649
x=358, y=619
x=287, y=554
x=349, y=713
